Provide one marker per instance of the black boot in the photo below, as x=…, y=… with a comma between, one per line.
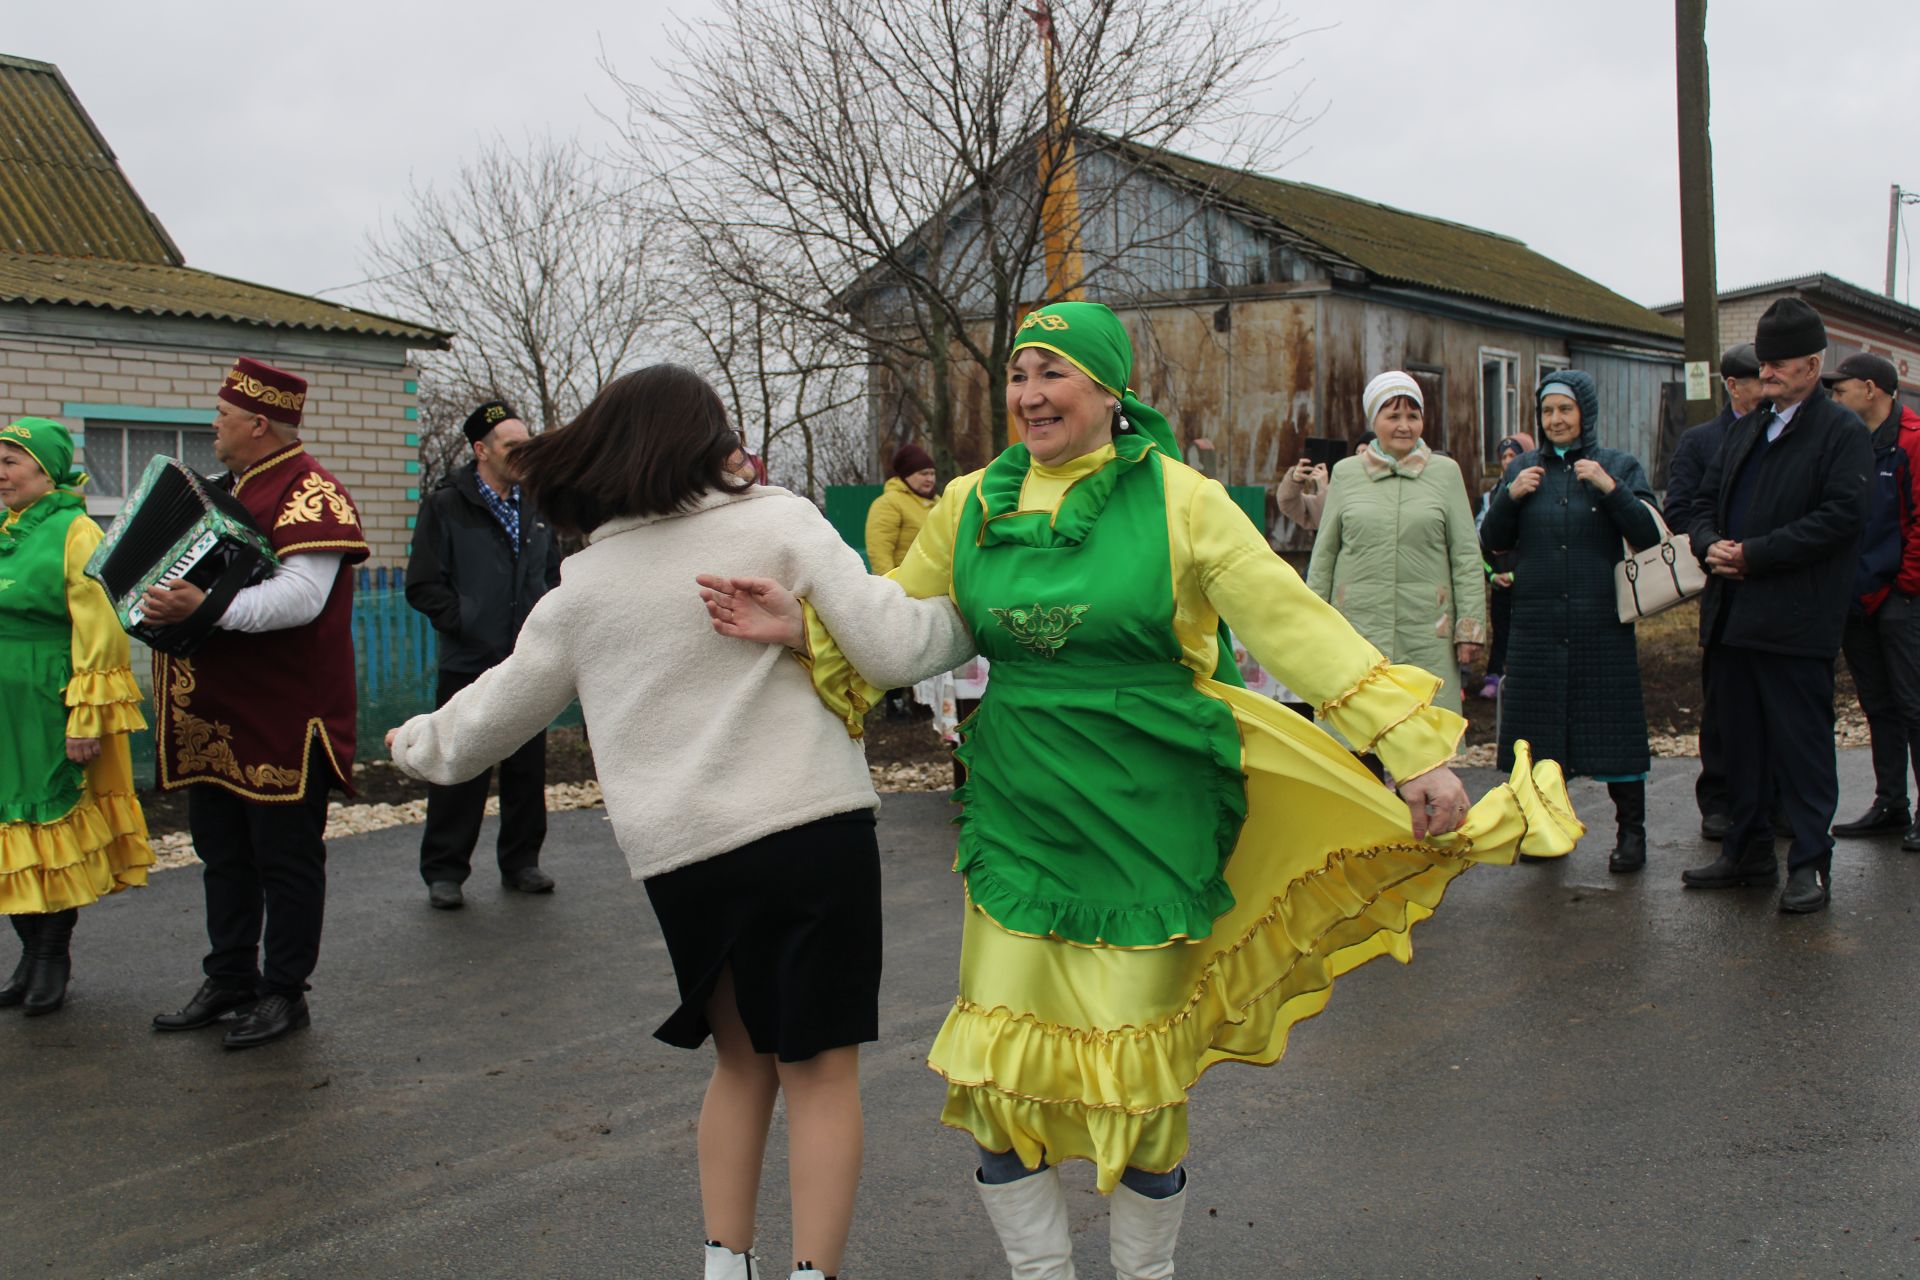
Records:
x=1630, y=813
x=52, y=965
x=16, y=989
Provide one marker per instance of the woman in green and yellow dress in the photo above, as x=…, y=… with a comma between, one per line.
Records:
x=1163, y=871
x=71, y=830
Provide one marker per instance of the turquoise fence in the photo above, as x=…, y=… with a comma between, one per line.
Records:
x=395, y=654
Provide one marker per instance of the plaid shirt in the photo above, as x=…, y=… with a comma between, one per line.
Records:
x=506, y=510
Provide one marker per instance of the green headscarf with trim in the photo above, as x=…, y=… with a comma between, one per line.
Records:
x=1091, y=338
x=49, y=444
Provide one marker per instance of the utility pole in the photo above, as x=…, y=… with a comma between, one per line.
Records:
x=1698, y=273
x=1893, y=234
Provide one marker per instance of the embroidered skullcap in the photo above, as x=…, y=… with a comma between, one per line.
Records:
x=481, y=422
x=257, y=387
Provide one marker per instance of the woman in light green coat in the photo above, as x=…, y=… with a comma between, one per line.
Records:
x=1397, y=554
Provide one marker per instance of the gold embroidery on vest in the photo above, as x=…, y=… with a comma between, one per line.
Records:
x=304, y=506
x=1042, y=628
x=207, y=745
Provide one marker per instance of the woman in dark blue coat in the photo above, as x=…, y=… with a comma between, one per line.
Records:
x=1572, y=687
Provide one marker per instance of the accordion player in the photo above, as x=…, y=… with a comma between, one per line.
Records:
x=177, y=524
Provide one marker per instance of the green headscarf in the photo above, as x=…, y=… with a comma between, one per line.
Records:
x=1091, y=338
x=50, y=444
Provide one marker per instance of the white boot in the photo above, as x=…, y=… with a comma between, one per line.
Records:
x=724, y=1264
x=811, y=1273
x=1030, y=1217
x=1144, y=1232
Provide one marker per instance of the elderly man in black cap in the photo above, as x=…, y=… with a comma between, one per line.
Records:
x=1882, y=641
x=1789, y=496
x=482, y=558
x=1740, y=371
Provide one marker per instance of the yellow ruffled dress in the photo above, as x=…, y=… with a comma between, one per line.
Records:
x=100, y=845
x=1061, y=1050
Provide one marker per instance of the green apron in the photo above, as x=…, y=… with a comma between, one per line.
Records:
x=1104, y=791
x=37, y=781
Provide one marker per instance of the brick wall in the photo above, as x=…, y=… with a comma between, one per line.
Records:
x=358, y=418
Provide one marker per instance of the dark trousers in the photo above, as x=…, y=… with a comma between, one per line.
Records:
x=454, y=813
x=1883, y=655
x=266, y=864
x=1710, y=789
x=1776, y=723
x=1500, y=622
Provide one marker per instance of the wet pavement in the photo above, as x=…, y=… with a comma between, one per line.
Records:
x=1581, y=1075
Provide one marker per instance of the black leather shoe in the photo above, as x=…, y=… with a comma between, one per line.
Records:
x=1714, y=826
x=1880, y=818
x=528, y=880
x=1910, y=842
x=273, y=1017
x=209, y=1004
x=445, y=895
x=1629, y=853
x=1725, y=872
x=1807, y=891
x=15, y=992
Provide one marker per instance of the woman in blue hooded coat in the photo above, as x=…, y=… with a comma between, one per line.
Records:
x=1572, y=686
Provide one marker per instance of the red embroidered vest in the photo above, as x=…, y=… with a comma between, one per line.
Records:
x=247, y=708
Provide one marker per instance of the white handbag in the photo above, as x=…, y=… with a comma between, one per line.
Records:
x=1664, y=575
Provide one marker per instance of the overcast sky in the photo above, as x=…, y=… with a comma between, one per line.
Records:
x=269, y=138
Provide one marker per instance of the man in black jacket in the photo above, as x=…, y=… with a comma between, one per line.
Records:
x=1790, y=490
x=1740, y=371
x=481, y=560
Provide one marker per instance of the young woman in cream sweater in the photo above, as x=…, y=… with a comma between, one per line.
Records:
x=771, y=911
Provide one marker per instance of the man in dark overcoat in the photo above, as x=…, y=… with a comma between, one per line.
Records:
x=482, y=558
x=1790, y=493
x=1740, y=372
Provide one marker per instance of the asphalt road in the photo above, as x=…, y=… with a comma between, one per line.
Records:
x=1581, y=1075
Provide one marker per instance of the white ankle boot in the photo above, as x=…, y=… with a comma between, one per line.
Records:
x=724, y=1264
x=1144, y=1233
x=1030, y=1217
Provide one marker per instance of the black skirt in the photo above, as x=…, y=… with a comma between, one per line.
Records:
x=797, y=916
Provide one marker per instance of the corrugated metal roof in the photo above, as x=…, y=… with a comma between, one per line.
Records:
x=61, y=189
x=1399, y=247
x=164, y=290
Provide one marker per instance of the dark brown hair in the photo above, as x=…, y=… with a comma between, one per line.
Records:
x=651, y=443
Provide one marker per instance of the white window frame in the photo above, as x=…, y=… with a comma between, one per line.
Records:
x=96, y=426
x=1546, y=364
x=1490, y=436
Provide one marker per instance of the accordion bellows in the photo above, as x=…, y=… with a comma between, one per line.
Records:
x=178, y=525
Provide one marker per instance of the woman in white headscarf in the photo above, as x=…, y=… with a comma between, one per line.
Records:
x=1397, y=553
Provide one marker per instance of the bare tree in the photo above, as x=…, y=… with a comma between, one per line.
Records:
x=538, y=260
x=791, y=383
x=885, y=161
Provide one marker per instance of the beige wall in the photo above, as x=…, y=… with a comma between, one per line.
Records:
x=356, y=421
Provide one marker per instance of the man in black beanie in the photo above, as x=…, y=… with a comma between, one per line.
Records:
x=1783, y=505
x=1740, y=371
x=482, y=558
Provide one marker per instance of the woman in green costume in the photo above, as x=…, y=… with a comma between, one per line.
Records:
x=71, y=830
x=1163, y=871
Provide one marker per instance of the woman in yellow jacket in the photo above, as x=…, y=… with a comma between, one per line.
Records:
x=894, y=519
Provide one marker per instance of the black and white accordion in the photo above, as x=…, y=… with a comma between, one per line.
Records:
x=178, y=524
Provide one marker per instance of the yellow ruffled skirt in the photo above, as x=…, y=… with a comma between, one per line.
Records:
x=99, y=847
x=1068, y=1052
